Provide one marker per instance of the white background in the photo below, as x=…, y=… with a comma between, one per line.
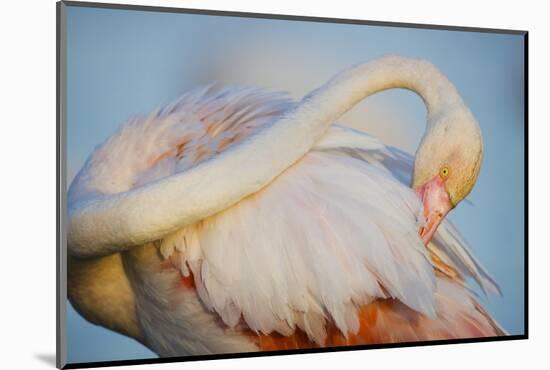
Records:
x=27, y=185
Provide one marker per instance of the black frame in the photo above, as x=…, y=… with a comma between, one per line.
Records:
x=61, y=185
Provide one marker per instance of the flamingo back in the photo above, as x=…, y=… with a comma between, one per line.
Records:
x=327, y=254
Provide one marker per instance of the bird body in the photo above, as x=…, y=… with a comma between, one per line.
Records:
x=307, y=240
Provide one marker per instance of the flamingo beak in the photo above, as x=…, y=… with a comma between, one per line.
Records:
x=437, y=204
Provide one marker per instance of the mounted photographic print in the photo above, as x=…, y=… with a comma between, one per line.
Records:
x=235, y=184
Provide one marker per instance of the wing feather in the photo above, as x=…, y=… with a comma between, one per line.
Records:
x=333, y=235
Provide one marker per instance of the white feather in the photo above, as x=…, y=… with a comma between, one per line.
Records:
x=332, y=232
x=329, y=233
x=336, y=230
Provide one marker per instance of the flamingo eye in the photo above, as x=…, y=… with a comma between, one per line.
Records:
x=444, y=172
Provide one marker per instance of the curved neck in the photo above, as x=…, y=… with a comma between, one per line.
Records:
x=349, y=87
x=115, y=222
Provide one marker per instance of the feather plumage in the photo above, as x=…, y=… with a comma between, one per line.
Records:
x=331, y=239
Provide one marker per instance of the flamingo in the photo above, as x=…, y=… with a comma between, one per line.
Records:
x=238, y=220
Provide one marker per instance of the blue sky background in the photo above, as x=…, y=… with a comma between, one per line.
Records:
x=121, y=63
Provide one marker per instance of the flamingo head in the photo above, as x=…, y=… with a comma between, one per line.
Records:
x=447, y=164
